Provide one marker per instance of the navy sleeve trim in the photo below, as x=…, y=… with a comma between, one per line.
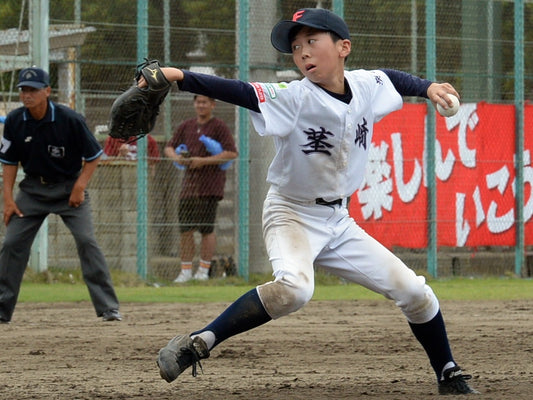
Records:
x=407, y=84
x=228, y=90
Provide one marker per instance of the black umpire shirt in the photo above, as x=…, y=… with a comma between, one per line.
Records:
x=53, y=147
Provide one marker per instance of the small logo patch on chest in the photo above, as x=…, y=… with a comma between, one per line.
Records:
x=56, y=151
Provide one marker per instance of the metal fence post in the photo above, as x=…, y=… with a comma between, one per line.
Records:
x=431, y=52
x=39, y=46
x=142, y=173
x=244, y=150
x=519, y=129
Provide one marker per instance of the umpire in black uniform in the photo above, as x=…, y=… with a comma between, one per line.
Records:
x=59, y=155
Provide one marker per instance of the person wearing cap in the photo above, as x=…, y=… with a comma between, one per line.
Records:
x=322, y=128
x=58, y=154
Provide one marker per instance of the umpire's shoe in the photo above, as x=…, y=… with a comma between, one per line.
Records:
x=179, y=354
x=454, y=382
x=111, y=315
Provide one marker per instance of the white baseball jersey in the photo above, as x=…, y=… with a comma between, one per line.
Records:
x=322, y=147
x=322, y=143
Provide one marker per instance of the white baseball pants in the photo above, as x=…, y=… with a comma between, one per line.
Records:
x=300, y=235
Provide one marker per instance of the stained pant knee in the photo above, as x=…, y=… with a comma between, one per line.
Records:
x=418, y=302
x=284, y=296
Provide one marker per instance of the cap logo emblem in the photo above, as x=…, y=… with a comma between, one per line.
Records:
x=297, y=15
x=30, y=74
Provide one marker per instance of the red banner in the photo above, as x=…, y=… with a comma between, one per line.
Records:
x=475, y=153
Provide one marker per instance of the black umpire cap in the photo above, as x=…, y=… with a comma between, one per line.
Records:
x=318, y=18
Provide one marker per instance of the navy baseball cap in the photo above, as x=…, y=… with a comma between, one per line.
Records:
x=34, y=77
x=318, y=18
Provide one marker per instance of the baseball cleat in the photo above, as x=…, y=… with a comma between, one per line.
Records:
x=179, y=354
x=454, y=382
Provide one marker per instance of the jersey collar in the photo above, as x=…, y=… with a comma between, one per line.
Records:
x=50, y=115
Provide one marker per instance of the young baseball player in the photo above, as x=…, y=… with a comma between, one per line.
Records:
x=322, y=126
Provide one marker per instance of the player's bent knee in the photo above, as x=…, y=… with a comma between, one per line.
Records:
x=281, y=297
x=411, y=294
x=419, y=304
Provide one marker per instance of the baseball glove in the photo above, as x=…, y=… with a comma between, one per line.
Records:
x=134, y=112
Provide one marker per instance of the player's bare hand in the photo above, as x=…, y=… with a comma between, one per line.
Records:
x=10, y=208
x=142, y=82
x=437, y=94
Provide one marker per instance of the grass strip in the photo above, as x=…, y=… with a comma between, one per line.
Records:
x=227, y=291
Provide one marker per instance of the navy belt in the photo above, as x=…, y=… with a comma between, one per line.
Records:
x=322, y=202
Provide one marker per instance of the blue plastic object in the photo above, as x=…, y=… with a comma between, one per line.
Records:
x=180, y=149
x=214, y=147
x=2, y=119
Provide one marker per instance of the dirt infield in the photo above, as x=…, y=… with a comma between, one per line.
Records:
x=328, y=350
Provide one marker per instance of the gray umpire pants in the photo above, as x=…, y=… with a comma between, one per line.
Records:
x=36, y=200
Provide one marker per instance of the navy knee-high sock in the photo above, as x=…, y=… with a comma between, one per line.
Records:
x=246, y=313
x=433, y=338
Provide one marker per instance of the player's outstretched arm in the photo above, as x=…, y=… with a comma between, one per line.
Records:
x=231, y=91
x=410, y=85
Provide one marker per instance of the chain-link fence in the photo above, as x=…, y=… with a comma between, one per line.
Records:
x=93, y=51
